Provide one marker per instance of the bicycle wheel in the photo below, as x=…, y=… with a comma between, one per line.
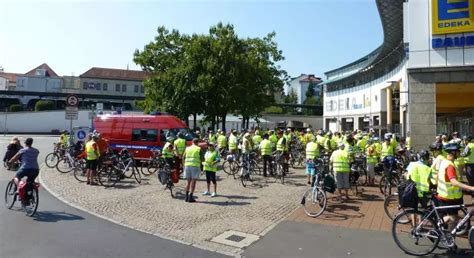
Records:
x=170, y=186
x=388, y=186
x=314, y=202
x=10, y=194
x=108, y=176
x=80, y=175
x=464, y=228
x=136, y=174
x=149, y=168
x=412, y=237
x=30, y=206
x=392, y=207
x=245, y=178
x=227, y=167
x=64, y=166
x=51, y=160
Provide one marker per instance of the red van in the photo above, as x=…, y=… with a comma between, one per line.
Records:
x=140, y=133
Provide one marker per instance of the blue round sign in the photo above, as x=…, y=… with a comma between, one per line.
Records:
x=81, y=135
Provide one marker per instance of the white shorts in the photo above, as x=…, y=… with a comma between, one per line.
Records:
x=342, y=180
x=370, y=170
x=192, y=172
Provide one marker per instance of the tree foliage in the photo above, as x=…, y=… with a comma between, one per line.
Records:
x=215, y=74
x=44, y=105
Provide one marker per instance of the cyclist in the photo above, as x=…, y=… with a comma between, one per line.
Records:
x=340, y=164
x=312, y=152
x=450, y=186
x=437, y=159
x=266, y=153
x=246, y=149
x=388, y=153
x=180, y=146
x=372, y=159
x=420, y=173
x=12, y=149
x=29, y=162
x=211, y=158
x=168, y=151
x=63, y=139
x=192, y=168
x=92, y=157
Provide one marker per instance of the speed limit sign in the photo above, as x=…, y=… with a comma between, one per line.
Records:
x=72, y=101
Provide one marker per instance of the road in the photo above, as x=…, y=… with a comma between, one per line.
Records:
x=59, y=230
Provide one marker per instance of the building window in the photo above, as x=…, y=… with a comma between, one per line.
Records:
x=136, y=88
x=105, y=86
x=85, y=85
x=148, y=135
x=97, y=85
x=142, y=89
x=117, y=87
x=124, y=88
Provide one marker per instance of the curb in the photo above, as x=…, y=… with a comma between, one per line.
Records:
x=59, y=197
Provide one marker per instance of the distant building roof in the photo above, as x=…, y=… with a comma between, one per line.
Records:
x=49, y=71
x=114, y=74
x=311, y=78
x=11, y=77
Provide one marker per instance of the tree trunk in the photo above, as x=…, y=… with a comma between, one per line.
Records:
x=213, y=123
x=223, y=122
x=217, y=122
x=194, y=121
x=243, y=122
x=248, y=121
x=186, y=120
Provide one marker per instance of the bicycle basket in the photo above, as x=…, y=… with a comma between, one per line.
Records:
x=329, y=184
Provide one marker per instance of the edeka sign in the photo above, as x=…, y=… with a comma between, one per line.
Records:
x=447, y=42
x=452, y=16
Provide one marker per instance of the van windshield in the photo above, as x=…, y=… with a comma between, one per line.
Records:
x=188, y=134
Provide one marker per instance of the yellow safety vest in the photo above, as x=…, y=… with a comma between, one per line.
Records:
x=387, y=150
x=408, y=142
x=312, y=150
x=257, y=139
x=192, y=156
x=371, y=155
x=166, y=152
x=340, y=161
x=232, y=142
x=280, y=146
x=470, y=159
x=246, y=145
x=210, y=159
x=212, y=138
x=180, y=146
x=274, y=139
x=266, y=147
x=447, y=190
x=420, y=174
x=221, y=141
x=91, y=153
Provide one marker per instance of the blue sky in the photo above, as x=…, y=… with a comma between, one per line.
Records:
x=72, y=36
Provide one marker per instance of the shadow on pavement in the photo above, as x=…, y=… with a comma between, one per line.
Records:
x=225, y=203
x=465, y=253
x=46, y=216
x=239, y=197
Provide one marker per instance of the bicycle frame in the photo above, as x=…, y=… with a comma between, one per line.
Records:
x=440, y=219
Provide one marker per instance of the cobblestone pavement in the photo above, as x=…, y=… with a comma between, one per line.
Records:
x=148, y=207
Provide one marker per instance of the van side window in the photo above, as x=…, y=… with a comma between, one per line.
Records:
x=149, y=135
x=164, y=134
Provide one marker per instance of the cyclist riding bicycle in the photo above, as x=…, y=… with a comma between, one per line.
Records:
x=29, y=162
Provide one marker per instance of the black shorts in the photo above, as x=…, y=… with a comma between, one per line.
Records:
x=452, y=211
x=30, y=173
x=211, y=177
x=91, y=164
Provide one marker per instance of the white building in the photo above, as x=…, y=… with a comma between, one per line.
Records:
x=40, y=79
x=420, y=80
x=300, y=86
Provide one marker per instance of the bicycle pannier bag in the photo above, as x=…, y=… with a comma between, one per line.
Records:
x=408, y=195
x=329, y=184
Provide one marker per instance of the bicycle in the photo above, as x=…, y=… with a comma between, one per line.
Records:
x=425, y=230
x=315, y=199
x=152, y=165
x=278, y=167
x=246, y=170
x=164, y=177
x=29, y=198
x=52, y=159
x=126, y=163
x=390, y=180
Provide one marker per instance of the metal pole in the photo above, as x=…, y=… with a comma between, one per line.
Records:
x=5, y=125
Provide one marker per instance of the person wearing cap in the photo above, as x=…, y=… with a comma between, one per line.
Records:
x=330, y=145
x=192, y=168
x=168, y=151
x=312, y=153
x=371, y=160
x=435, y=149
x=233, y=142
x=266, y=153
x=449, y=185
x=211, y=159
x=92, y=158
x=339, y=162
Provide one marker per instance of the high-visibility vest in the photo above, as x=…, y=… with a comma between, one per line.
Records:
x=266, y=147
x=420, y=174
x=212, y=138
x=378, y=148
x=274, y=140
x=280, y=145
x=387, y=150
x=308, y=137
x=470, y=159
x=192, y=156
x=257, y=139
x=447, y=190
x=91, y=153
x=361, y=144
x=63, y=139
x=232, y=142
x=312, y=150
x=408, y=142
x=221, y=141
x=330, y=144
x=435, y=168
x=179, y=146
x=371, y=155
x=340, y=161
x=246, y=145
x=167, y=153
x=210, y=159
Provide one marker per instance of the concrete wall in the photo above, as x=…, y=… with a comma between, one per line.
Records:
x=38, y=83
x=314, y=121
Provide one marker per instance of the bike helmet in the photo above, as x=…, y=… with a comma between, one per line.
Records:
x=387, y=136
x=329, y=133
x=423, y=155
x=451, y=147
x=180, y=135
x=436, y=146
x=170, y=139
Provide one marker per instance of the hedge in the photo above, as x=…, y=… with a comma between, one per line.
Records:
x=44, y=105
x=15, y=108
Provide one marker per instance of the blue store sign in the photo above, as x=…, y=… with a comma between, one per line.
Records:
x=460, y=41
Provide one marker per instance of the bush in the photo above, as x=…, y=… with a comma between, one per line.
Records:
x=15, y=108
x=44, y=105
x=273, y=110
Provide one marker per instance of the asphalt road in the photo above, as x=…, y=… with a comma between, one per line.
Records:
x=59, y=230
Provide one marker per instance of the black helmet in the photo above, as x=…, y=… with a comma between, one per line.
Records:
x=436, y=146
x=423, y=155
x=451, y=147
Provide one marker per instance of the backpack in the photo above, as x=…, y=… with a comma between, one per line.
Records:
x=329, y=184
x=408, y=195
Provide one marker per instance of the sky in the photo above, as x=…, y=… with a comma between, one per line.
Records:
x=72, y=36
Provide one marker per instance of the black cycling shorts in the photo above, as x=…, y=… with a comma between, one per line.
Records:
x=91, y=164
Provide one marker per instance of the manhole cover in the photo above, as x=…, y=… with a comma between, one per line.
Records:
x=236, y=239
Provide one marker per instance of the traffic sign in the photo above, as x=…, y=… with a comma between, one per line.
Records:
x=72, y=101
x=72, y=113
x=81, y=135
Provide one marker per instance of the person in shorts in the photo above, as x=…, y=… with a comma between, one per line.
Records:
x=192, y=168
x=211, y=159
x=29, y=162
x=340, y=164
x=92, y=159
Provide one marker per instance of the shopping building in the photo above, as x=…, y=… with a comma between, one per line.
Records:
x=419, y=80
